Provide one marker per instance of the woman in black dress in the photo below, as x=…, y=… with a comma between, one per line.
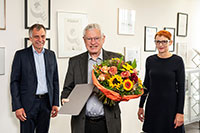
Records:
x=165, y=83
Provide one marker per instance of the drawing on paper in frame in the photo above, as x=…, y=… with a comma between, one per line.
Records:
x=149, y=34
x=2, y=60
x=182, y=24
x=37, y=11
x=70, y=33
x=126, y=22
x=2, y=14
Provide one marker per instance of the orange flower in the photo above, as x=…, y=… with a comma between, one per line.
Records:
x=102, y=77
x=135, y=71
x=113, y=70
x=105, y=69
x=125, y=74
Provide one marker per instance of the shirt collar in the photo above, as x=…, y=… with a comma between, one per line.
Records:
x=34, y=51
x=99, y=57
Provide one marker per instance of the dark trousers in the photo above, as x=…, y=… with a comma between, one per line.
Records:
x=38, y=118
x=95, y=125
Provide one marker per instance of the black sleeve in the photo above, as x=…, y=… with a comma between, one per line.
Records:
x=15, y=79
x=180, y=80
x=146, y=84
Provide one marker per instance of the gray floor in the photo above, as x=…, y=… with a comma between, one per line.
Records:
x=192, y=128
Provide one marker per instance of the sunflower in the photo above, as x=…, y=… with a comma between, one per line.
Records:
x=115, y=81
x=128, y=84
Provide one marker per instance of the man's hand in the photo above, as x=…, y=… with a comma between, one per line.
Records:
x=141, y=114
x=20, y=114
x=179, y=120
x=54, y=111
x=64, y=100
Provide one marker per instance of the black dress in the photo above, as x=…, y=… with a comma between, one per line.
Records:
x=165, y=83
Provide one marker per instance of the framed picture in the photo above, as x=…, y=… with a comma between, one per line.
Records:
x=37, y=11
x=172, y=31
x=182, y=24
x=2, y=60
x=130, y=54
x=28, y=43
x=181, y=50
x=70, y=33
x=149, y=44
x=2, y=14
x=126, y=22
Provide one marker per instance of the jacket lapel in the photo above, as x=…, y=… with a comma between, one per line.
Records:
x=83, y=63
x=105, y=55
x=31, y=59
x=46, y=61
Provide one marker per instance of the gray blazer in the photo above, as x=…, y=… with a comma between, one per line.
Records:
x=77, y=74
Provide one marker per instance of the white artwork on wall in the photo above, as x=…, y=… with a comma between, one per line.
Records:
x=70, y=33
x=2, y=14
x=126, y=21
x=131, y=54
x=37, y=11
x=181, y=50
x=2, y=60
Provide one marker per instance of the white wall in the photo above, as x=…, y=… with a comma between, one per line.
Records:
x=157, y=13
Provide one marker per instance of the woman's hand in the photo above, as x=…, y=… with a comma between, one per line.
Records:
x=141, y=114
x=179, y=120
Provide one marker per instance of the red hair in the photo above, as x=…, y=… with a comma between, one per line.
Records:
x=164, y=33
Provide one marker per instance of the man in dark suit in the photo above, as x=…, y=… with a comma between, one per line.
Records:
x=94, y=117
x=34, y=84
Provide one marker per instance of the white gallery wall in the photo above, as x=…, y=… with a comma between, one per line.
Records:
x=157, y=13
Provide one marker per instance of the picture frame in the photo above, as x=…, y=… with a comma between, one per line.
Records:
x=126, y=21
x=149, y=44
x=172, y=31
x=2, y=60
x=182, y=24
x=37, y=12
x=130, y=54
x=182, y=50
x=70, y=33
x=2, y=14
x=28, y=43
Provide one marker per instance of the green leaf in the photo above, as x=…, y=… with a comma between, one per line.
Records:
x=119, y=65
x=134, y=64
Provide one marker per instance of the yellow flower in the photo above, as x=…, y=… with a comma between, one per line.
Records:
x=128, y=84
x=115, y=59
x=115, y=81
x=127, y=67
x=139, y=81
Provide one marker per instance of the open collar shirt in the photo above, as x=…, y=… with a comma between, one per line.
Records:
x=94, y=107
x=40, y=71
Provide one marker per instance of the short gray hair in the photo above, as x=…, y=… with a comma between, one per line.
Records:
x=37, y=26
x=92, y=26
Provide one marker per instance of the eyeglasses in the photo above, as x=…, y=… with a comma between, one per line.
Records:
x=163, y=42
x=93, y=38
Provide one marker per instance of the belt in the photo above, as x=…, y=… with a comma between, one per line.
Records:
x=95, y=118
x=42, y=96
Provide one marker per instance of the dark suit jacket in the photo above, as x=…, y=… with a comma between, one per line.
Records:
x=23, y=82
x=77, y=74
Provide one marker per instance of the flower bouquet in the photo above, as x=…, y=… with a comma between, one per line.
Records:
x=117, y=81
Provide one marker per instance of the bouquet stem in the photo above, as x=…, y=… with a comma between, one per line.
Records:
x=105, y=100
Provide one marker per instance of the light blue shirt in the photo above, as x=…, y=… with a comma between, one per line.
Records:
x=94, y=107
x=40, y=71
